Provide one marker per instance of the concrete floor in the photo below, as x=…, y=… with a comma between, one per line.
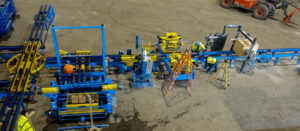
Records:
x=266, y=99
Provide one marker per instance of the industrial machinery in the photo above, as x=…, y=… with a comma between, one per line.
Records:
x=24, y=68
x=70, y=92
x=142, y=64
x=82, y=91
x=183, y=65
x=261, y=9
x=249, y=56
x=7, y=13
x=169, y=43
x=166, y=54
x=169, y=47
x=142, y=70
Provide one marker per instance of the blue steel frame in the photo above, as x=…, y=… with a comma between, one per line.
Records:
x=58, y=58
x=58, y=100
x=80, y=127
x=42, y=22
x=7, y=55
x=14, y=100
x=58, y=104
x=140, y=77
x=263, y=55
x=7, y=13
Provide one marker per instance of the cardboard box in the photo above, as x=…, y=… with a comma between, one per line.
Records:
x=242, y=46
x=82, y=99
x=74, y=99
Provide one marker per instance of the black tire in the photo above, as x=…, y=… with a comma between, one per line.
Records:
x=260, y=12
x=271, y=8
x=226, y=3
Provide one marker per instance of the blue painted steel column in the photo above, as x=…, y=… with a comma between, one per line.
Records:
x=277, y=60
x=56, y=49
x=137, y=42
x=51, y=13
x=103, y=50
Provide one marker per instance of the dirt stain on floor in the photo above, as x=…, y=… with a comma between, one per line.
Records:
x=134, y=124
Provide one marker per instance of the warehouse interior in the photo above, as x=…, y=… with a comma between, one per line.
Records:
x=264, y=100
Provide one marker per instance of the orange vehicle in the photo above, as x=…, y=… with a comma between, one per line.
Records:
x=261, y=9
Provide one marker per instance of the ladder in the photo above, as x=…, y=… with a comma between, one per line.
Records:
x=184, y=61
x=226, y=74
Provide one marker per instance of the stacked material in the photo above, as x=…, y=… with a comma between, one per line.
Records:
x=241, y=47
x=78, y=99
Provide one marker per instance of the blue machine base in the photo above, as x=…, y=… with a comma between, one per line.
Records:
x=80, y=127
x=141, y=84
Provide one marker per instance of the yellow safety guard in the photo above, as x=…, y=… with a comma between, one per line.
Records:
x=129, y=60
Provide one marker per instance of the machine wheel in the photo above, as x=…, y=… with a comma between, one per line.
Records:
x=226, y=3
x=260, y=12
x=271, y=9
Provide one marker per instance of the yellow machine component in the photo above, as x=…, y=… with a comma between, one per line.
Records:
x=24, y=65
x=62, y=52
x=81, y=100
x=148, y=47
x=83, y=67
x=170, y=42
x=13, y=68
x=50, y=90
x=175, y=58
x=77, y=67
x=75, y=100
x=211, y=60
x=196, y=48
x=110, y=87
x=39, y=59
x=86, y=52
x=80, y=111
x=154, y=58
x=129, y=60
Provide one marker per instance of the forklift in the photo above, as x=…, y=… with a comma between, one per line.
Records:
x=261, y=9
